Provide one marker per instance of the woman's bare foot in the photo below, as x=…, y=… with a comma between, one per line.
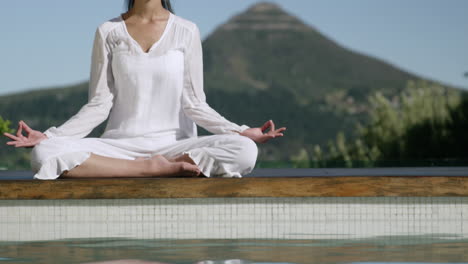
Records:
x=183, y=158
x=159, y=166
x=186, y=158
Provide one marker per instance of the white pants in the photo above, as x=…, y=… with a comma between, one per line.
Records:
x=223, y=155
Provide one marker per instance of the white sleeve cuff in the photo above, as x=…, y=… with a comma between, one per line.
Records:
x=49, y=132
x=239, y=129
x=243, y=127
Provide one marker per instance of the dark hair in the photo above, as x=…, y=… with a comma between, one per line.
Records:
x=165, y=3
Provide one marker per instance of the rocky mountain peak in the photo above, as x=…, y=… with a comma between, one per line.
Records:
x=265, y=16
x=264, y=7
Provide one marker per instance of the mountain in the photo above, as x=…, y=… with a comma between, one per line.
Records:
x=265, y=48
x=261, y=64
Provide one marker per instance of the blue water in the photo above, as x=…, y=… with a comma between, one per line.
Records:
x=395, y=250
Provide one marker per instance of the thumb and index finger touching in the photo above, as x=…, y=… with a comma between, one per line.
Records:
x=271, y=124
x=26, y=127
x=21, y=125
x=268, y=124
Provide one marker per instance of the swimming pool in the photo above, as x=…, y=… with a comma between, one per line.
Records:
x=394, y=249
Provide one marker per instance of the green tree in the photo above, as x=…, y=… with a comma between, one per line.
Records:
x=5, y=126
x=425, y=121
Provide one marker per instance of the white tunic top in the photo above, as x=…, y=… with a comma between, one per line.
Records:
x=154, y=94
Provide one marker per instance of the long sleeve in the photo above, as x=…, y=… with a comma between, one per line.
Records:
x=100, y=97
x=193, y=97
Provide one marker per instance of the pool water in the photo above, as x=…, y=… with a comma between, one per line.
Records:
x=392, y=249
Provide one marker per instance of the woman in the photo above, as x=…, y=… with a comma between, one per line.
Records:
x=147, y=77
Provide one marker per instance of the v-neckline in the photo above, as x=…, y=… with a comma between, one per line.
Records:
x=140, y=48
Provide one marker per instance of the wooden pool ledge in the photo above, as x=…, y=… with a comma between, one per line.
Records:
x=278, y=186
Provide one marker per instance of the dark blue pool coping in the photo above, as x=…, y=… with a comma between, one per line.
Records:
x=311, y=172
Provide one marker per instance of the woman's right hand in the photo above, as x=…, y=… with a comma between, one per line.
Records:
x=33, y=138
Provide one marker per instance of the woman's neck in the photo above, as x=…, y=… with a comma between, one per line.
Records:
x=148, y=10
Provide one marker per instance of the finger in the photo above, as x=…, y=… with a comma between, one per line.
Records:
x=277, y=134
x=280, y=129
x=272, y=125
x=11, y=143
x=23, y=145
x=26, y=127
x=266, y=126
x=20, y=129
x=11, y=136
x=21, y=132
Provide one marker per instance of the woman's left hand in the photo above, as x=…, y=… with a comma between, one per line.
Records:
x=257, y=135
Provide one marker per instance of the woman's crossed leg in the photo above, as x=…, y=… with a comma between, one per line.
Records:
x=224, y=155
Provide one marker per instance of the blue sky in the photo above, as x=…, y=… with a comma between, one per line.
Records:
x=48, y=43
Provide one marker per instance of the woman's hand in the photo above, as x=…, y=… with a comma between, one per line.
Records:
x=33, y=138
x=256, y=133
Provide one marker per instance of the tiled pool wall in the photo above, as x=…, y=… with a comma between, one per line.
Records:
x=233, y=218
